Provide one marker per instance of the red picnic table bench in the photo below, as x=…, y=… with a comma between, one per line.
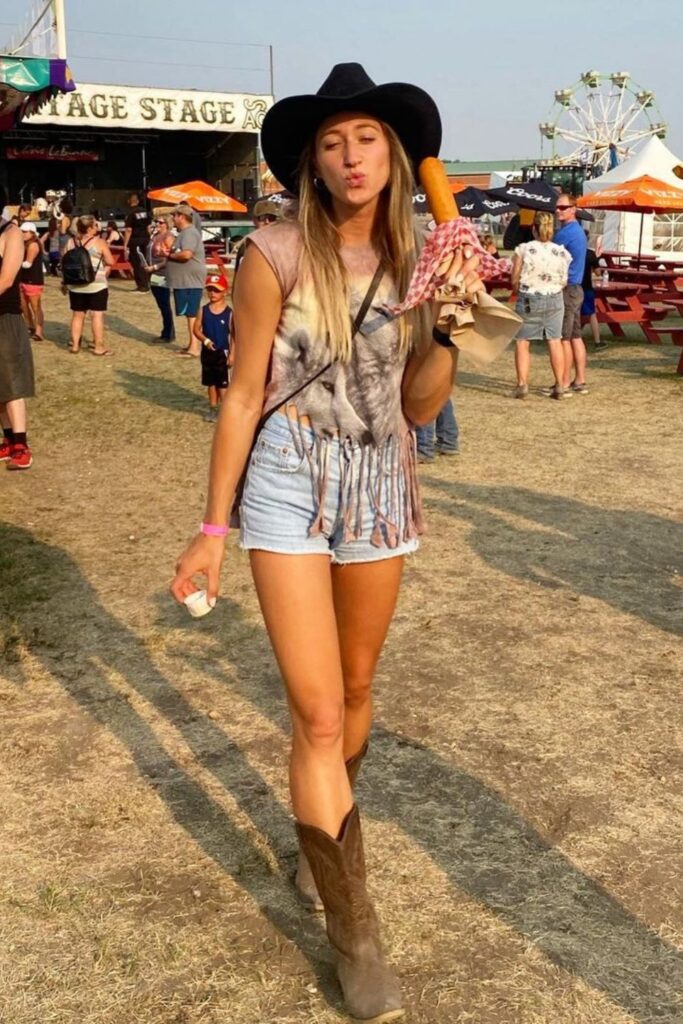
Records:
x=122, y=267
x=618, y=303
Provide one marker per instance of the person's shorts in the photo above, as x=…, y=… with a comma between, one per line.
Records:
x=31, y=289
x=187, y=301
x=16, y=359
x=89, y=302
x=571, y=322
x=278, y=506
x=541, y=316
x=588, y=304
x=214, y=367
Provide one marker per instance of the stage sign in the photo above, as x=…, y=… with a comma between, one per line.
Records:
x=124, y=106
x=69, y=153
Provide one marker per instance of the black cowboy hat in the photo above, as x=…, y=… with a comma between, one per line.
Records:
x=291, y=122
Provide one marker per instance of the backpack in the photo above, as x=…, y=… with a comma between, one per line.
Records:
x=77, y=268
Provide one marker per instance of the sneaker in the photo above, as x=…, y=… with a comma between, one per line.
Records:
x=424, y=458
x=578, y=389
x=448, y=451
x=5, y=450
x=20, y=457
x=557, y=393
x=601, y=344
x=521, y=391
x=211, y=416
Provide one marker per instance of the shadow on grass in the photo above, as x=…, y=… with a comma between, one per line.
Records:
x=128, y=330
x=631, y=560
x=160, y=391
x=482, y=845
x=35, y=574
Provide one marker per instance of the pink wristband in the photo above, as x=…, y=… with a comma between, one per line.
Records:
x=211, y=530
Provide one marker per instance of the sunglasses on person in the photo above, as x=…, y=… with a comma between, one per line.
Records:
x=266, y=218
x=567, y=206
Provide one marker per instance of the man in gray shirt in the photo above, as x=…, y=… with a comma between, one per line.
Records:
x=186, y=273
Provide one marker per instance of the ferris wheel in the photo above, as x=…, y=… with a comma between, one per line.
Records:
x=598, y=118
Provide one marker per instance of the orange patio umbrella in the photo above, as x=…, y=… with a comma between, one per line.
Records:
x=639, y=195
x=200, y=196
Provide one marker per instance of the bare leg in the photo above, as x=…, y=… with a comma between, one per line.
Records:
x=26, y=311
x=522, y=361
x=365, y=597
x=98, y=332
x=595, y=328
x=295, y=593
x=213, y=396
x=36, y=308
x=579, y=351
x=15, y=413
x=77, y=322
x=193, y=344
x=556, y=355
x=568, y=357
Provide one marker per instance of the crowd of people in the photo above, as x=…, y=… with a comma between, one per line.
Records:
x=551, y=276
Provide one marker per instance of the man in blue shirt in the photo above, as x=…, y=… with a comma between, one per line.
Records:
x=570, y=234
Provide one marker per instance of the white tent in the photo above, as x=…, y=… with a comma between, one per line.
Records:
x=662, y=233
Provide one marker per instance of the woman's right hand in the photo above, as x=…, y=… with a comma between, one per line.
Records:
x=202, y=557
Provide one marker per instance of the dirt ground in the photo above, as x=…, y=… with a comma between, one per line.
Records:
x=522, y=796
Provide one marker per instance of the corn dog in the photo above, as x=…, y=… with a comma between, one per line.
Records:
x=439, y=196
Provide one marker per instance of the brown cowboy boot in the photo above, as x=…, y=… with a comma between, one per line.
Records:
x=370, y=987
x=304, y=881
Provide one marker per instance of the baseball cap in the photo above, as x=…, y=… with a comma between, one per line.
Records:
x=219, y=281
x=185, y=209
x=268, y=208
x=28, y=225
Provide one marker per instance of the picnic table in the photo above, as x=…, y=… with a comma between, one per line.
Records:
x=652, y=277
x=631, y=261
x=122, y=267
x=629, y=302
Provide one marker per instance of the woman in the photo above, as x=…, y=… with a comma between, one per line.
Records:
x=159, y=244
x=66, y=224
x=51, y=245
x=90, y=298
x=539, y=273
x=112, y=235
x=330, y=504
x=32, y=281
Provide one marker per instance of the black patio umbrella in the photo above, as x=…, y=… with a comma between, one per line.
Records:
x=474, y=202
x=530, y=195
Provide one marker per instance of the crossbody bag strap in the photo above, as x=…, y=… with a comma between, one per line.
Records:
x=356, y=324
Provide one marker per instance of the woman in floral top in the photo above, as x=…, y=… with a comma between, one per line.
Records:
x=539, y=273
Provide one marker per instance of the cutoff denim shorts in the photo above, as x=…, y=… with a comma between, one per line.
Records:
x=279, y=507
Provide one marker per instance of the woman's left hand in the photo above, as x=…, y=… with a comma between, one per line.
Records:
x=461, y=282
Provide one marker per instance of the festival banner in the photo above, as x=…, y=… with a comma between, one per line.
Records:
x=123, y=106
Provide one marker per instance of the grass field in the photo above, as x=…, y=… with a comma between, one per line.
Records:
x=522, y=795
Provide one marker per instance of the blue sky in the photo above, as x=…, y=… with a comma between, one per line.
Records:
x=492, y=67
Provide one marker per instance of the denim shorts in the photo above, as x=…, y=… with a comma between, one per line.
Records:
x=541, y=316
x=279, y=505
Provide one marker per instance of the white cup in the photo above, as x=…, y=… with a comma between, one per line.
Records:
x=198, y=604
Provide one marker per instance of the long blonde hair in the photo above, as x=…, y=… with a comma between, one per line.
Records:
x=394, y=237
